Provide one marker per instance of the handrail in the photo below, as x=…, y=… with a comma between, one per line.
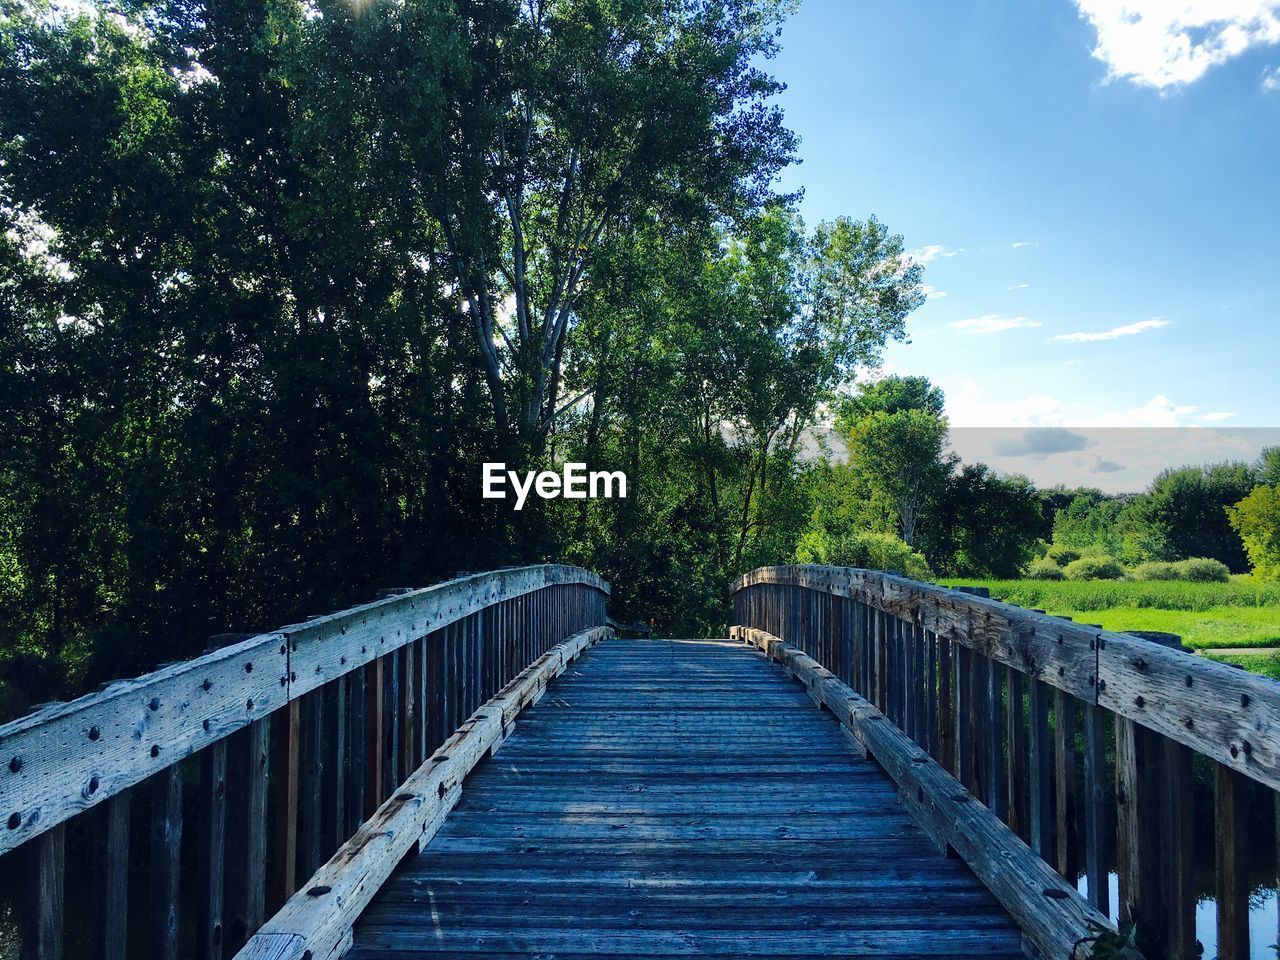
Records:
x=310, y=726
x=1015, y=702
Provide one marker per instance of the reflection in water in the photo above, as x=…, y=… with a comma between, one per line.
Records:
x=1263, y=920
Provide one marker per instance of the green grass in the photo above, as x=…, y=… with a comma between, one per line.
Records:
x=1266, y=664
x=1090, y=595
x=1201, y=629
x=1241, y=613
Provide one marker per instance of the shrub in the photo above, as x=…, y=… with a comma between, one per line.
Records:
x=872, y=551
x=1060, y=554
x=1045, y=570
x=1203, y=570
x=1093, y=568
x=1256, y=519
x=1156, y=570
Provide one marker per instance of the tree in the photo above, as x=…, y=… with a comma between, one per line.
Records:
x=891, y=394
x=987, y=525
x=902, y=456
x=1256, y=519
x=1184, y=513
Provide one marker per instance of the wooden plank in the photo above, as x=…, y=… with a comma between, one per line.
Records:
x=244, y=892
x=374, y=737
x=1018, y=771
x=67, y=758
x=166, y=866
x=316, y=923
x=1095, y=809
x=1231, y=832
x=111, y=878
x=1229, y=715
x=996, y=788
x=1066, y=789
x=310, y=780
x=946, y=708
x=334, y=802
x=1056, y=651
x=965, y=769
x=42, y=919
x=132, y=729
x=328, y=647
x=1178, y=828
x=1048, y=909
x=285, y=736
x=357, y=774
x=212, y=829
x=1040, y=759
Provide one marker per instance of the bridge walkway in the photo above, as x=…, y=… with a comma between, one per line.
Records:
x=680, y=798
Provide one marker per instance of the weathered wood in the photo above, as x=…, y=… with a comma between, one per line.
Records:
x=211, y=826
x=45, y=893
x=1229, y=715
x=246, y=871
x=1047, y=908
x=1231, y=831
x=1018, y=773
x=374, y=737
x=1153, y=864
x=285, y=745
x=69, y=757
x=681, y=857
x=1065, y=781
x=1095, y=810
x=994, y=736
x=111, y=878
x=310, y=780
x=1040, y=781
x=166, y=865
x=316, y=923
x=334, y=779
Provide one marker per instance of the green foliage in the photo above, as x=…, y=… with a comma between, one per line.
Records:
x=1045, y=569
x=1093, y=568
x=1061, y=554
x=1183, y=513
x=984, y=524
x=1156, y=570
x=872, y=551
x=901, y=456
x=1095, y=595
x=1202, y=570
x=891, y=394
x=1256, y=518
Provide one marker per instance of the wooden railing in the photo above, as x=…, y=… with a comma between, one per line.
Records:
x=253, y=764
x=1021, y=708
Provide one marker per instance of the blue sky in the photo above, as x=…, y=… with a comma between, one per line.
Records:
x=1065, y=174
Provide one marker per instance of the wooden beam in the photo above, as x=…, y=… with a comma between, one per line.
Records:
x=67, y=758
x=111, y=878
x=316, y=923
x=1231, y=830
x=44, y=892
x=1050, y=911
x=166, y=863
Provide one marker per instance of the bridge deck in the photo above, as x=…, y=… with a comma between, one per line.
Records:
x=676, y=798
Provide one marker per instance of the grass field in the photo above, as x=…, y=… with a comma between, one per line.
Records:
x=1208, y=616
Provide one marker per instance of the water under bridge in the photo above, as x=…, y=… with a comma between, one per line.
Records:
x=866, y=766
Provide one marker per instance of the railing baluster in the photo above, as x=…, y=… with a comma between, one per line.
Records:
x=42, y=920
x=212, y=829
x=1095, y=814
x=1016, y=726
x=1231, y=831
x=111, y=878
x=1041, y=777
x=165, y=867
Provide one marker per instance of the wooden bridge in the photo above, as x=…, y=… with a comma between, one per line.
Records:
x=481, y=768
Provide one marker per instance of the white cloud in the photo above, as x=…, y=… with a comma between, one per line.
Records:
x=1168, y=43
x=1020, y=286
x=1158, y=412
x=1128, y=330
x=1019, y=244
x=930, y=253
x=933, y=293
x=968, y=408
x=993, y=323
x=1270, y=80
x=1214, y=417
